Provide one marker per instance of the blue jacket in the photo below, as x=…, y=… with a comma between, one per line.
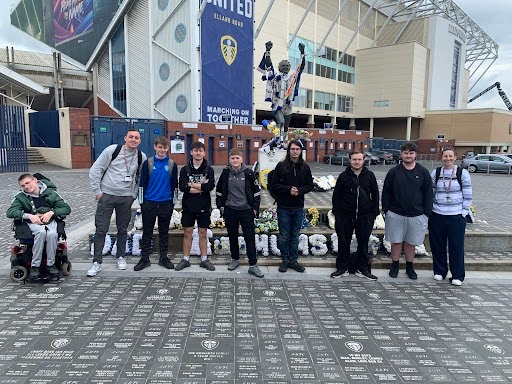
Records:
x=160, y=187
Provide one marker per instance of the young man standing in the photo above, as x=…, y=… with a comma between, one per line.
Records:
x=114, y=179
x=291, y=181
x=407, y=202
x=355, y=205
x=158, y=189
x=196, y=181
x=238, y=198
x=39, y=204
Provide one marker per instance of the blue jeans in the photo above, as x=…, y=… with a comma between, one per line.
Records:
x=289, y=221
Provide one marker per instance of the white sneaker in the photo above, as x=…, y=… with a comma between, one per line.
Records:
x=121, y=263
x=456, y=282
x=438, y=277
x=95, y=268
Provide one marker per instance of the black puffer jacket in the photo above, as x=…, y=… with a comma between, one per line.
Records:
x=356, y=196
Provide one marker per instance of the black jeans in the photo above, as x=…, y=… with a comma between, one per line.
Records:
x=150, y=211
x=344, y=226
x=447, y=231
x=244, y=218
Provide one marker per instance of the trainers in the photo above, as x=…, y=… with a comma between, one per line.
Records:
x=206, y=264
x=143, y=263
x=296, y=266
x=182, y=265
x=339, y=273
x=165, y=262
x=233, y=265
x=121, y=263
x=283, y=267
x=34, y=273
x=95, y=268
x=409, y=270
x=254, y=270
x=53, y=271
x=393, y=272
x=456, y=282
x=438, y=277
x=366, y=274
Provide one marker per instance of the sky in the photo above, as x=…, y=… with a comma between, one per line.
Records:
x=493, y=16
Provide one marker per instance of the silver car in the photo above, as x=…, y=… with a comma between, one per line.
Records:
x=491, y=163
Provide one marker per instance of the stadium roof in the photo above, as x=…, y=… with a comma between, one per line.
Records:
x=479, y=46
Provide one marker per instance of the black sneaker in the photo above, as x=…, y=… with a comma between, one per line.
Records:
x=182, y=265
x=296, y=266
x=283, y=267
x=166, y=263
x=366, y=274
x=34, y=273
x=206, y=264
x=143, y=263
x=339, y=273
x=393, y=272
x=409, y=270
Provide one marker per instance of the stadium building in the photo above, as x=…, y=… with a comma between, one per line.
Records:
x=396, y=69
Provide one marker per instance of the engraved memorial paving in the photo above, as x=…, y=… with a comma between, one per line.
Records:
x=224, y=330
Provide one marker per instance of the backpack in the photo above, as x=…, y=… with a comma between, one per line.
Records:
x=458, y=173
x=139, y=157
x=151, y=165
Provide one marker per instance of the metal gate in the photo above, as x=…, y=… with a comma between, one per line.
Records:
x=13, y=143
x=110, y=130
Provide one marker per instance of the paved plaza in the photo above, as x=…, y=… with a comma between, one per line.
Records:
x=193, y=326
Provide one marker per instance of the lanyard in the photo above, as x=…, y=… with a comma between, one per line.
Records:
x=126, y=162
x=447, y=189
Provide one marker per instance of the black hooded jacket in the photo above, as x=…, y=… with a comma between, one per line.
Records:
x=197, y=202
x=299, y=176
x=354, y=195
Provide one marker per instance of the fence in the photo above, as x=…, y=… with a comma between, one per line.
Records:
x=13, y=143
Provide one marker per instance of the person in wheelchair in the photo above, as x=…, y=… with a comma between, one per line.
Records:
x=39, y=205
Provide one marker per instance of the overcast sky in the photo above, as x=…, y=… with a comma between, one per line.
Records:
x=493, y=16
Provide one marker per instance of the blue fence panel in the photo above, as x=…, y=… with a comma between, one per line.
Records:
x=13, y=143
x=108, y=131
x=376, y=143
x=389, y=144
x=44, y=129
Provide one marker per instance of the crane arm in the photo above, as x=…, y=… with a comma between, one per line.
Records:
x=501, y=92
x=497, y=84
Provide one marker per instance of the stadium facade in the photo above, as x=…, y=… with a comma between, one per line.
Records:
x=391, y=67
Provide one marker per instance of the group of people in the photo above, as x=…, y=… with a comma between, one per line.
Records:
x=412, y=200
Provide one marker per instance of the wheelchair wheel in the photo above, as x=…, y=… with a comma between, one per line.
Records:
x=66, y=268
x=18, y=273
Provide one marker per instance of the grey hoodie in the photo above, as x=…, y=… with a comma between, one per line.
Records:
x=236, y=189
x=108, y=176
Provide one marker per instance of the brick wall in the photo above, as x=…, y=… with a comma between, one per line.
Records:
x=103, y=108
x=80, y=136
x=245, y=135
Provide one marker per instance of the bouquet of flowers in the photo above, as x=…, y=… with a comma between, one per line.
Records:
x=266, y=222
x=216, y=221
x=271, y=126
x=298, y=134
x=313, y=215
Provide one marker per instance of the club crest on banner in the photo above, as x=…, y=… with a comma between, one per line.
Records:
x=354, y=346
x=210, y=344
x=228, y=47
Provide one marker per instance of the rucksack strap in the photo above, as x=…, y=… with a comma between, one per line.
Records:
x=151, y=165
x=458, y=174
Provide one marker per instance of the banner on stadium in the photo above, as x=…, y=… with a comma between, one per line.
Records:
x=227, y=61
x=72, y=18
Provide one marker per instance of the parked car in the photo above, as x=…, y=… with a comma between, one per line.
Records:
x=493, y=163
x=384, y=156
x=338, y=157
x=468, y=154
x=370, y=158
x=397, y=155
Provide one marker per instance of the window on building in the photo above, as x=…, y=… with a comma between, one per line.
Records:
x=455, y=74
x=381, y=103
x=119, y=70
x=345, y=103
x=309, y=98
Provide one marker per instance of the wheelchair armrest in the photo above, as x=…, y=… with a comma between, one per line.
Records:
x=21, y=229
